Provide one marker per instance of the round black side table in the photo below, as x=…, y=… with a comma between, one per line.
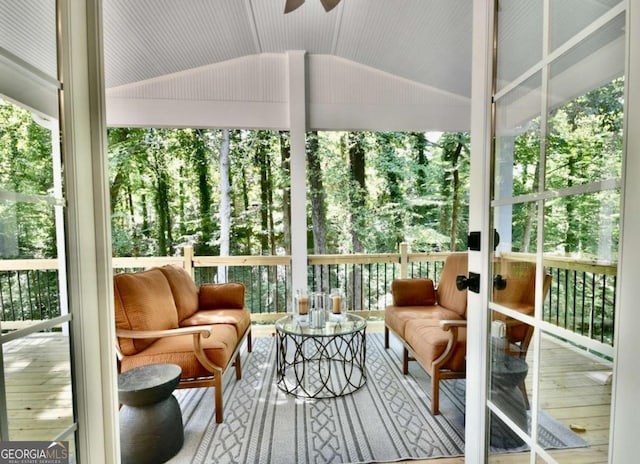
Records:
x=151, y=428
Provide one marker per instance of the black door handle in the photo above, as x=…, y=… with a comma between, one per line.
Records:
x=472, y=282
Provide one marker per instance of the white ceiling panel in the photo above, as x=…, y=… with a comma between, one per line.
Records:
x=425, y=41
x=28, y=32
x=151, y=38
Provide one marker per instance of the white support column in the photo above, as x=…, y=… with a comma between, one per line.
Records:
x=298, y=127
x=476, y=423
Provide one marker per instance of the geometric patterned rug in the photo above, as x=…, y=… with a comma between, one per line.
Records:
x=388, y=419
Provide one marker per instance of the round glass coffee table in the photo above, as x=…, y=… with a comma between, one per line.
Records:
x=321, y=363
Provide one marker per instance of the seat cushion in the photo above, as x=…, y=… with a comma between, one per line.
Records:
x=448, y=294
x=238, y=318
x=396, y=317
x=143, y=301
x=185, y=293
x=413, y=292
x=428, y=341
x=178, y=350
x=221, y=296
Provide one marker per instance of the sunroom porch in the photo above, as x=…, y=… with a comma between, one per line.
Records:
x=574, y=385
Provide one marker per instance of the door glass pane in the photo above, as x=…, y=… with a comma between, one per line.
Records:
x=568, y=17
x=23, y=140
x=576, y=363
x=575, y=399
x=517, y=144
x=37, y=377
x=517, y=228
x=584, y=139
x=582, y=257
x=510, y=374
x=513, y=297
x=36, y=391
x=27, y=230
x=519, y=39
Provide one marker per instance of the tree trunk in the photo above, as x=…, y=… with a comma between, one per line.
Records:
x=182, y=203
x=201, y=162
x=318, y=208
x=421, y=174
x=455, y=200
x=270, y=207
x=225, y=202
x=116, y=186
x=394, y=191
x=530, y=216
x=285, y=163
x=245, y=208
x=357, y=195
x=161, y=203
x=261, y=161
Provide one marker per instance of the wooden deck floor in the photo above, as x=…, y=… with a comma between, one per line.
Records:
x=575, y=389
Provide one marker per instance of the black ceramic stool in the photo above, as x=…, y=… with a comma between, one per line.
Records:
x=150, y=421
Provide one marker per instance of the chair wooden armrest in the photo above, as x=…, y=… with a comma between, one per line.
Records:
x=448, y=324
x=451, y=326
x=203, y=331
x=198, y=332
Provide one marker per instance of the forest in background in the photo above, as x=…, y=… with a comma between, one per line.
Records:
x=227, y=191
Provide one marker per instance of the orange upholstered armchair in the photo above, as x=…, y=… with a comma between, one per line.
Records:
x=161, y=317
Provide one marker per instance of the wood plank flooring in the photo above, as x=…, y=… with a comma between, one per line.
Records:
x=575, y=389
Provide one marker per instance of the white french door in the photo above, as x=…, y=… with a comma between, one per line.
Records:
x=553, y=188
x=36, y=396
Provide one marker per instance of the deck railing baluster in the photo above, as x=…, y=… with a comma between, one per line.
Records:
x=582, y=297
x=603, y=307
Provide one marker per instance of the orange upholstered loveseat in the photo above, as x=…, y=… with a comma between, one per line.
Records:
x=162, y=317
x=431, y=324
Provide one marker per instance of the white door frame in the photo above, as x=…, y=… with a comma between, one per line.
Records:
x=625, y=446
x=479, y=197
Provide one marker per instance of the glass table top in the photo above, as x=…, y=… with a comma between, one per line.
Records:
x=335, y=325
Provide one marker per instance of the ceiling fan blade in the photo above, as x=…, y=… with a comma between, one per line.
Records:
x=291, y=5
x=329, y=4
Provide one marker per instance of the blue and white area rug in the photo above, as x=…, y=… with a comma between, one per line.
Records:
x=388, y=419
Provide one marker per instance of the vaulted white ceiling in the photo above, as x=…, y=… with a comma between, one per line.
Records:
x=425, y=41
x=370, y=64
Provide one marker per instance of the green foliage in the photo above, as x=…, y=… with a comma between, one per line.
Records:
x=26, y=167
x=379, y=189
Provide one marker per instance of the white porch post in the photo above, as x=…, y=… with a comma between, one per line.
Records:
x=298, y=126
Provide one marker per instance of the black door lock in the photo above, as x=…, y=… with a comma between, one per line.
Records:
x=472, y=282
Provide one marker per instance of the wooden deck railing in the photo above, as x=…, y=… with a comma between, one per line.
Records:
x=582, y=296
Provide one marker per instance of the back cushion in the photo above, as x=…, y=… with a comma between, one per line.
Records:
x=229, y=295
x=185, y=293
x=143, y=301
x=413, y=292
x=448, y=294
